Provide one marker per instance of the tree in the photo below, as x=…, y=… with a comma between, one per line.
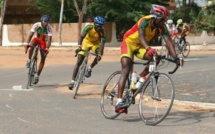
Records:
x=80, y=14
x=3, y=9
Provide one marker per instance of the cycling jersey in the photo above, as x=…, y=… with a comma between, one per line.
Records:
x=92, y=36
x=92, y=39
x=41, y=33
x=184, y=29
x=172, y=30
x=132, y=35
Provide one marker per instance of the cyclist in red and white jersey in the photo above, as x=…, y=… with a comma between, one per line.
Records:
x=136, y=43
x=172, y=29
x=42, y=31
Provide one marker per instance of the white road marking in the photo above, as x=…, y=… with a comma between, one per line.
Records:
x=12, y=109
x=191, y=59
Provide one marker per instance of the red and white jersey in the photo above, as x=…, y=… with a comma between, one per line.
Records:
x=172, y=29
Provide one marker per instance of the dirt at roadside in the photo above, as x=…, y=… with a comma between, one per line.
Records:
x=15, y=56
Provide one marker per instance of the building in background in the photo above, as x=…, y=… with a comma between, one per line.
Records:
x=19, y=12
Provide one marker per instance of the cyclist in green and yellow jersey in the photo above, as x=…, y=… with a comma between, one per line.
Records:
x=136, y=42
x=93, y=37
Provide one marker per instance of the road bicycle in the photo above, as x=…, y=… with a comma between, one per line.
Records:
x=156, y=95
x=33, y=66
x=182, y=48
x=81, y=72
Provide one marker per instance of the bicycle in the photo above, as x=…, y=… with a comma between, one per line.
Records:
x=33, y=66
x=182, y=48
x=81, y=72
x=158, y=89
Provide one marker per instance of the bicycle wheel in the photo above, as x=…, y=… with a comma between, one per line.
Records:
x=186, y=49
x=164, y=63
x=31, y=72
x=79, y=78
x=109, y=96
x=156, y=99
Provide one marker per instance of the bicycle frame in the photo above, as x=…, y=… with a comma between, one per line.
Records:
x=81, y=72
x=33, y=66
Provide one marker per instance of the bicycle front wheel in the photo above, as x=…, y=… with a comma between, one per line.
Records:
x=79, y=78
x=31, y=72
x=156, y=99
x=109, y=96
x=186, y=49
x=164, y=63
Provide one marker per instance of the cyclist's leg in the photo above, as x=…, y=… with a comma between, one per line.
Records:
x=127, y=53
x=30, y=51
x=81, y=56
x=94, y=48
x=142, y=55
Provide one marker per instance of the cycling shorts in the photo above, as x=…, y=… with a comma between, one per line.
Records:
x=40, y=42
x=89, y=46
x=129, y=50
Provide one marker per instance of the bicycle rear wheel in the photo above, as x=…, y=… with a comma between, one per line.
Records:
x=186, y=49
x=109, y=96
x=79, y=78
x=156, y=99
x=31, y=72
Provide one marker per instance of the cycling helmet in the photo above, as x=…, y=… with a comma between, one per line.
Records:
x=99, y=20
x=169, y=21
x=159, y=11
x=179, y=22
x=45, y=18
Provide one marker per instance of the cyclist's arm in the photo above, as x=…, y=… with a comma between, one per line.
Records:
x=49, y=42
x=30, y=37
x=81, y=38
x=142, y=39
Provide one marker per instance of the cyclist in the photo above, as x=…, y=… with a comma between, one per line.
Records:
x=183, y=30
x=93, y=37
x=172, y=29
x=43, y=32
x=135, y=42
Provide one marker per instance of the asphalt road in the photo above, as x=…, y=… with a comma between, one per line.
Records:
x=48, y=108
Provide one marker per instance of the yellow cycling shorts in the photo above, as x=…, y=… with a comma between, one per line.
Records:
x=129, y=50
x=88, y=45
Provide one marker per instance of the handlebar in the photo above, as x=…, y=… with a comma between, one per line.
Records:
x=37, y=47
x=76, y=53
x=160, y=57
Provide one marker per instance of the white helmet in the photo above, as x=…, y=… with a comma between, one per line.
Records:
x=169, y=21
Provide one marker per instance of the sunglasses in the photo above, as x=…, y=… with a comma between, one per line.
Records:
x=98, y=25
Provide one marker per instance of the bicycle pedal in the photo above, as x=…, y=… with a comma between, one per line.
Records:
x=124, y=110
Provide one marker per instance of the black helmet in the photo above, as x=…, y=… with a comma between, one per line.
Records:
x=45, y=18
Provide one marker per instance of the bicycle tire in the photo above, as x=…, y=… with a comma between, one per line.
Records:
x=156, y=99
x=109, y=96
x=186, y=49
x=32, y=71
x=79, y=78
x=164, y=63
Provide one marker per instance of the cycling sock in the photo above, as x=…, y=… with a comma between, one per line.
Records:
x=72, y=81
x=119, y=100
x=90, y=68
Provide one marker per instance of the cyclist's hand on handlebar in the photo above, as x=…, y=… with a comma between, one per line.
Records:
x=46, y=50
x=77, y=49
x=150, y=51
x=26, y=46
x=179, y=61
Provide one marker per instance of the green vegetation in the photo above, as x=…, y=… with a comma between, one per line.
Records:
x=126, y=12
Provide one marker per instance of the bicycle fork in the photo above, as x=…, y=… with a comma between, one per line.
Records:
x=155, y=87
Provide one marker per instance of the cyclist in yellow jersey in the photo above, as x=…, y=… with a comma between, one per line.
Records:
x=136, y=42
x=93, y=37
